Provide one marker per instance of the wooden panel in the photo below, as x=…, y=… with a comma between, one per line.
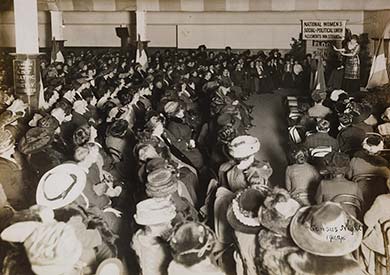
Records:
x=306, y=4
x=170, y=5
x=161, y=36
x=215, y=5
x=283, y=5
x=234, y=5
x=192, y=5
x=260, y=5
x=83, y=5
x=104, y=5
x=65, y=5
x=266, y=17
x=219, y=36
x=125, y=5
x=148, y=5
x=91, y=36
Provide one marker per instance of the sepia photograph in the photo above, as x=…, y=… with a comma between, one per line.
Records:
x=194, y=137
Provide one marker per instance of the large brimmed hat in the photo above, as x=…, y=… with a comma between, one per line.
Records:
x=35, y=140
x=161, y=183
x=242, y=213
x=279, y=208
x=61, y=185
x=244, y=146
x=52, y=248
x=154, y=211
x=326, y=230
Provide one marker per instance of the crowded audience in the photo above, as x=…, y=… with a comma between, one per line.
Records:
x=131, y=168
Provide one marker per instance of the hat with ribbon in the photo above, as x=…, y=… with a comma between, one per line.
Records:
x=334, y=96
x=278, y=210
x=244, y=146
x=35, y=140
x=373, y=143
x=243, y=212
x=171, y=107
x=154, y=211
x=191, y=239
x=161, y=183
x=326, y=230
x=323, y=125
x=52, y=248
x=61, y=185
x=49, y=122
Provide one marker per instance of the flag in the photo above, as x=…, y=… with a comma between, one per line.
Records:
x=141, y=56
x=378, y=73
x=56, y=54
x=41, y=98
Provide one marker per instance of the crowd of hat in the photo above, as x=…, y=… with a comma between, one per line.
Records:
x=149, y=168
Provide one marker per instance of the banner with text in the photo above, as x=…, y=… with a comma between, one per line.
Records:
x=323, y=29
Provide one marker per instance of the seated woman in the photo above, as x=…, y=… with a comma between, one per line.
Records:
x=192, y=245
x=370, y=169
x=319, y=110
x=274, y=239
x=338, y=188
x=302, y=178
x=242, y=216
x=180, y=134
x=150, y=243
x=313, y=229
x=373, y=244
x=164, y=183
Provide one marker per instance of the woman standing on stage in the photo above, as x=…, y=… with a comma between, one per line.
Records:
x=352, y=65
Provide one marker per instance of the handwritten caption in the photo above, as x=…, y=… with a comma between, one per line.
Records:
x=336, y=233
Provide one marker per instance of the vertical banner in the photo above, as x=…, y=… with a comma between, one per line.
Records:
x=25, y=76
x=323, y=29
x=26, y=73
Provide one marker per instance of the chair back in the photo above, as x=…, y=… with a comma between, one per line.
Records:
x=349, y=200
x=320, y=151
x=382, y=262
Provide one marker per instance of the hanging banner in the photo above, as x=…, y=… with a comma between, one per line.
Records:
x=316, y=47
x=323, y=29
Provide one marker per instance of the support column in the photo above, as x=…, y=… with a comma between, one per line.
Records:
x=141, y=25
x=26, y=67
x=57, y=36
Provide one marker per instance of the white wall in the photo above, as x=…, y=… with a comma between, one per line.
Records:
x=82, y=29
x=252, y=30
x=242, y=30
x=95, y=29
x=7, y=29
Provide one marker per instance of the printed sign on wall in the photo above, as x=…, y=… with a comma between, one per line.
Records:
x=25, y=76
x=323, y=29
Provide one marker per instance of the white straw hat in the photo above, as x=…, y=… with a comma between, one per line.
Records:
x=61, y=185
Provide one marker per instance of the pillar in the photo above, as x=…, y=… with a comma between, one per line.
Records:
x=141, y=25
x=26, y=67
x=57, y=36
